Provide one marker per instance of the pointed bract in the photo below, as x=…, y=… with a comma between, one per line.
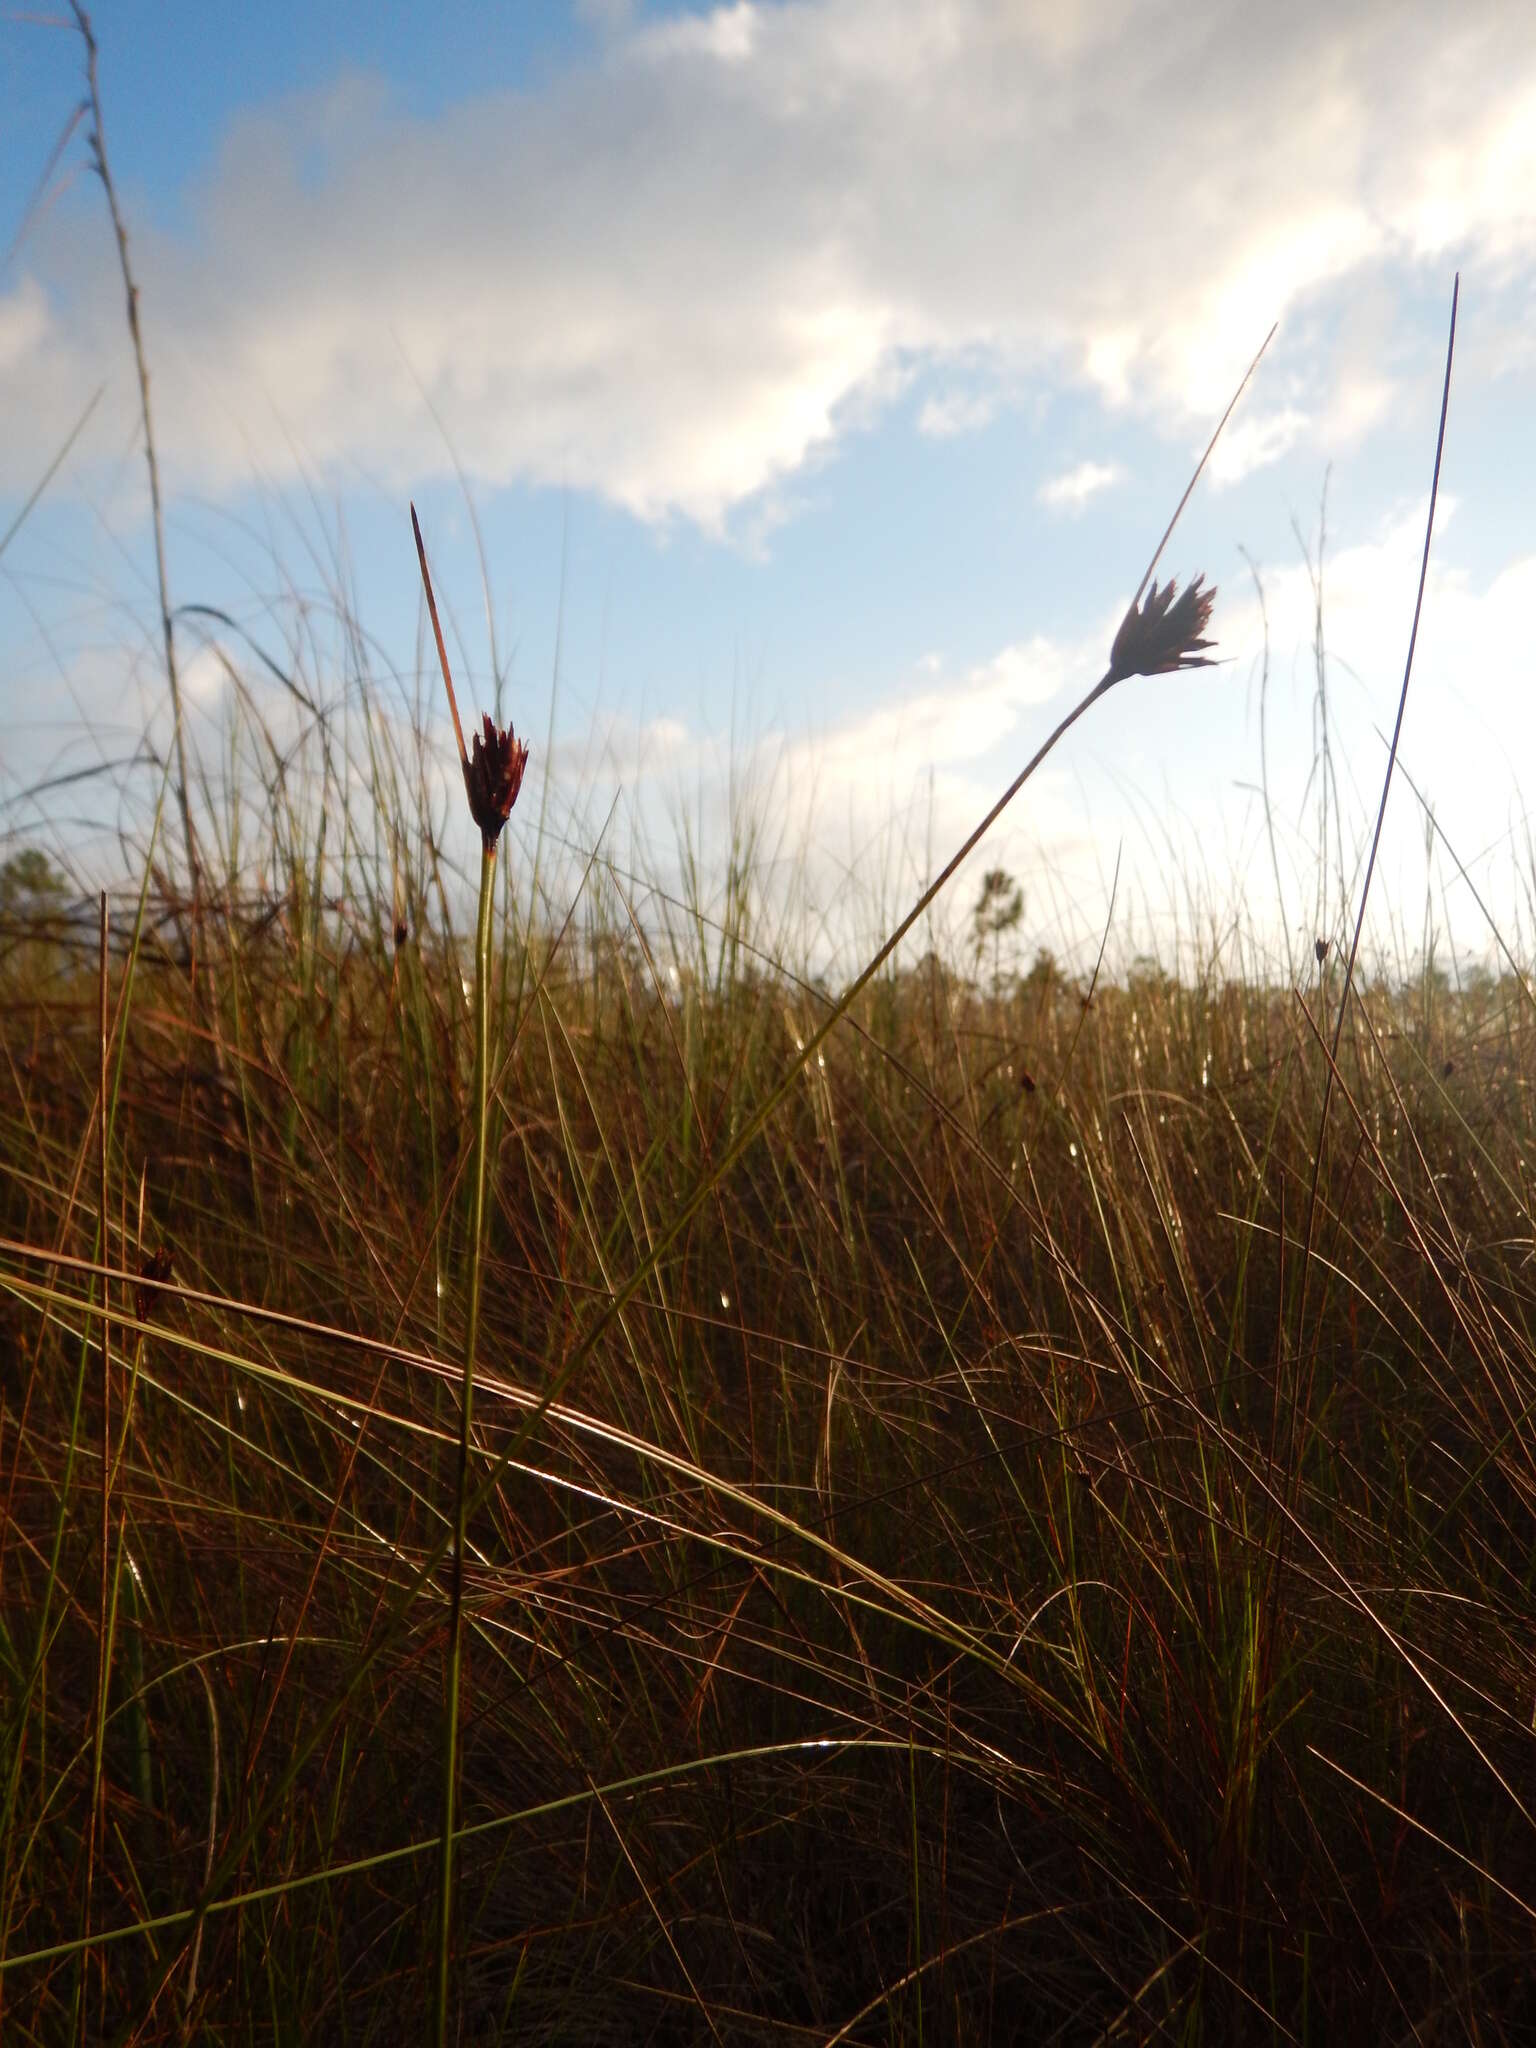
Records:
x=1165, y=634
x=493, y=769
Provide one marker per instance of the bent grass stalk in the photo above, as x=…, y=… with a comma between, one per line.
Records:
x=492, y=777
x=1158, y=636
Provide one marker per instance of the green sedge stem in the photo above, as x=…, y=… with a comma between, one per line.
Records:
x=461, y=1486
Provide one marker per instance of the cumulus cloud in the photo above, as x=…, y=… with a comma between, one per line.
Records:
x=1253, y=443
x=956, y=412
x=862, y=768
x=679, y=271
x=1071, y=491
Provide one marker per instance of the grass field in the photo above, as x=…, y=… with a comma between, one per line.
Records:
x=1001, y=1540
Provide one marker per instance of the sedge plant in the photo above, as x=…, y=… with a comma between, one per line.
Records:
x=493, y=775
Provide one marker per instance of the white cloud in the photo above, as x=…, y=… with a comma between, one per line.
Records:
x=1253, y=443
x=24, y=325
x=1071, y=491
x=1359, y=403
x=956, y=412
x=204, y=678
x=678, y=272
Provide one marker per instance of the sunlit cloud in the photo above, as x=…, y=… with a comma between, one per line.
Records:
x=956, y=412
x=1071, y=490
x=683, y=270
x=1255, y=442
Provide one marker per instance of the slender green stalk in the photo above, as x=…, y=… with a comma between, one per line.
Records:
x=482, y=1096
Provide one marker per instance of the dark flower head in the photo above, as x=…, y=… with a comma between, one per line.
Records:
x=493, y=774
x=156, y=1266
x=1165, y=634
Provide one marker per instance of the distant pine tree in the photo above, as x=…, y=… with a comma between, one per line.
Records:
x=999, y=909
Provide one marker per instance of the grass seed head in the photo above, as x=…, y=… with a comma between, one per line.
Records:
x=493, y=774
x=1164, y=634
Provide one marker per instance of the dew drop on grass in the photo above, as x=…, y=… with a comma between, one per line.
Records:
x=725, y=1299
x=1072, y=1147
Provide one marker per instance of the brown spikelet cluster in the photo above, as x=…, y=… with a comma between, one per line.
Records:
x=1165, y=634
x=493, y=774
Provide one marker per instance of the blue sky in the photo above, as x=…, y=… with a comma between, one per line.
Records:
x=823, y=372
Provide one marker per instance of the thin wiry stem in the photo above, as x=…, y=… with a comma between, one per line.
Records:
x=1381, y=818
x=1199, y=470
x=141, y=365
x=189, y=1994
x=1301, y=1397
